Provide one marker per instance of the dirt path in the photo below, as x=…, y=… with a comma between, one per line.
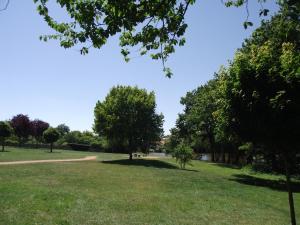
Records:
x=87, y=158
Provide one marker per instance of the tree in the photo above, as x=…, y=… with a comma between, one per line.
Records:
x=263, y=91
x=37, y=129
x=183, y=154
x=128, y=120
x=63, y=129
x=5, y=132
x=153, y=26
x=197, y=124
x=21, y=126
x=51, y=135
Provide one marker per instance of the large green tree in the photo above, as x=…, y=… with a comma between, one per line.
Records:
x=263, y=90
x=196, y=125
x=127, y=118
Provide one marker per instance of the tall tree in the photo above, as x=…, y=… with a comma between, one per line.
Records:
x=127, y=118
x=199, y=121
x=263, y=90
x=21, y=126
x=37, y=129
x=5, y=132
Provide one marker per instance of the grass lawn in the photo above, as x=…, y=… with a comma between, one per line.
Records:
x=113, y=190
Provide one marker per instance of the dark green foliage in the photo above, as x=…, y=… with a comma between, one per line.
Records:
x=5, y=132
x=63, y=129
x=79, y=147
x=51, y=135
x=127, y=119
x=83, y=138
x=263, y=90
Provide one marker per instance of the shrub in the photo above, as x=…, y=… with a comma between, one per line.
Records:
x=183, y=154
x=79, y=147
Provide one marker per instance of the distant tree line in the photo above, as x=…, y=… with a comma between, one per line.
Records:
x=21, y=131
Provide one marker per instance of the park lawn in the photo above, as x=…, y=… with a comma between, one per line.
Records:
x=113, y=190
x=18, y=154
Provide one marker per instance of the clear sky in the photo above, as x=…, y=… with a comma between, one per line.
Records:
x=48, y=82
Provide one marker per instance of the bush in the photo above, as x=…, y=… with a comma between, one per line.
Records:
x=183, y=154
x=79, y=147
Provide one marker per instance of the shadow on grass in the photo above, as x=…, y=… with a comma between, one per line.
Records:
x=231, y=166
x=143, y=162
x=54, y=152
x=279, y=185
x=5, y=151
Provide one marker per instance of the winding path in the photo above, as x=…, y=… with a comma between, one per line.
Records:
x=87, y=158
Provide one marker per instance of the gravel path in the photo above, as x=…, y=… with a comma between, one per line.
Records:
x=87, y=158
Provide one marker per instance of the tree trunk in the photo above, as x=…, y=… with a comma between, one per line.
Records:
x=229, y=157
x=223, y=155
x=237, y=158
x=51, y=146
x=130, y=156
x=212, y=156
x=290, y=191
x=3, y=146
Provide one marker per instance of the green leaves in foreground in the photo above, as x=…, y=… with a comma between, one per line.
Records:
x=153, y=27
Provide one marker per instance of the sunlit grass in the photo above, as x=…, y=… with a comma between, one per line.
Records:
x=113, y=190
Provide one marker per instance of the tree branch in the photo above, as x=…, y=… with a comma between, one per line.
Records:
x=6, y=6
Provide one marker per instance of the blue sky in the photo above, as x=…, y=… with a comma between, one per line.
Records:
x=48, y=82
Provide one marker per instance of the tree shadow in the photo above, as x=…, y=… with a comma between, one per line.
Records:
x=230, y=166
x=142, y=162
x=54, y=152
x=5, y=151
x=279, y=185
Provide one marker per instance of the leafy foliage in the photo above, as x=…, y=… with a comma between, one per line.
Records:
x=183, y=154
x=128, y=120
x=63, y=129
x=154, y=27
x=21, y=126
x=5, y=132
x=37, y=129
x=51, y=135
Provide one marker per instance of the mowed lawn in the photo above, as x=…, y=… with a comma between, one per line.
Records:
x=113, y=190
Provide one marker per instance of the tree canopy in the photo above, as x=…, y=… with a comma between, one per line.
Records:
x=128, y=120
x=21, y=126
x=51, y=135
x=154, y=27
x=5, y=132
x=37, y=129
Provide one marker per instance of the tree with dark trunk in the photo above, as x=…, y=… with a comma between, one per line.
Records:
x=51, y=135
x=263, y=90
x=5, y=132
x=127, y=119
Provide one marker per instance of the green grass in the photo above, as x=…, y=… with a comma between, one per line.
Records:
x=17, y=154
x=116, y=191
